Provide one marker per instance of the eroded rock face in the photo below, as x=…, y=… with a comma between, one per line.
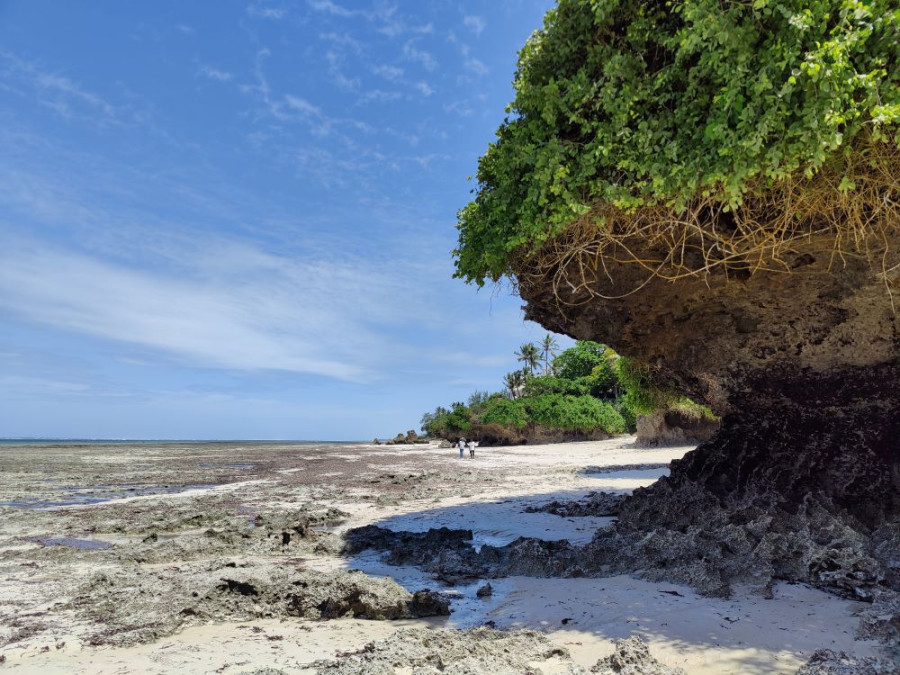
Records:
x=674, y=427
x=804, y=476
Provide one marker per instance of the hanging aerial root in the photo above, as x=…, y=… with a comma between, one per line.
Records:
x=848, y=209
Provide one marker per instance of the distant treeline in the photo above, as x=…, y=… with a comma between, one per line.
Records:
x=588, y=391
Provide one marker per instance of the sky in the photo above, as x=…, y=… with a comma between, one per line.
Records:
x=235, y=219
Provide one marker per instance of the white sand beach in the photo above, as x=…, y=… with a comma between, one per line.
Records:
x=403, y=488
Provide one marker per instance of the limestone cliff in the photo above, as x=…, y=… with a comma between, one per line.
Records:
x=804, y=368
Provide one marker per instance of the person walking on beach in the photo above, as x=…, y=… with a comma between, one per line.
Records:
x=462, y=448
x=472, y=445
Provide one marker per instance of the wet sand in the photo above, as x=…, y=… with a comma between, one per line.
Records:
x=112, y=559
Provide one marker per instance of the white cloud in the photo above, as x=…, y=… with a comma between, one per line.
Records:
x=274, y=13
x=379, y=96
x=476, y=66
x=340, y=80
x=412, y=53
x=476, y=24
x=237, y=308
x=391, y=73
x=424, y=89
x=328, y=7
x=301, y=105
x=343, y=40
x=461, y=108
x=215, y=74
x=64, y=95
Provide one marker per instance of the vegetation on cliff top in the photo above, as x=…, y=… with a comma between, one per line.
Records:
x=692, y=114
x=584, y=390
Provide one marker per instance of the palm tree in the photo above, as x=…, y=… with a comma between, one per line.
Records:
x=548, y=350
x=530, y=355
x=514, y=382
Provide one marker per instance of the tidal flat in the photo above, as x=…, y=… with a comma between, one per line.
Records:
x=238, y=557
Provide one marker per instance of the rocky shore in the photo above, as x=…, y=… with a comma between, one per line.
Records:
x=267, y=558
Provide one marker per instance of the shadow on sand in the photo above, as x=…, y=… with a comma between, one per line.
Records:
x=744, y=634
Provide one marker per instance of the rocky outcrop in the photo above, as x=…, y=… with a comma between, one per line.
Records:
x=803, y=479
x=674, y=427
x=597, y=504
x=131, y=608
x=480, y=651
x=632, y=657
x=827, y=662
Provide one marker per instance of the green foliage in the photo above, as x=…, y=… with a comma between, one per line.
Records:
x=447, y=423
x=530, y=355
x=592, y=388
x=506, y=412
x=515, y=381
x=660, y=102
x=548, y=349
x=580, y=360
x=478, y=398
x=549, y=384
x=641, y=397
x=576, y=413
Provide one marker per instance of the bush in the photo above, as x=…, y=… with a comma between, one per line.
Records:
x=661, y=103
x=505, y=411
x=444, y=423
x=548, y=384
x=577, y=413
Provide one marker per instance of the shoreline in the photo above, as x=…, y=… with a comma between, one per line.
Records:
x=402, y=488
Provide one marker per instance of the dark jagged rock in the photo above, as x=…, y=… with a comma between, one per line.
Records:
x=429, y=603
x=594, y=504
x=803, y=479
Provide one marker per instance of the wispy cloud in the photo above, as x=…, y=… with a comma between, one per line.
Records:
x=338, y=78
x=263, y=12
x=425, y=89
x=385, y=18
x=392, y=73
x=379, y=96
x=476, y=24
x=215, y=74
x=64, y=95
x=413, y=53
x=476, y=66
x=238, y=309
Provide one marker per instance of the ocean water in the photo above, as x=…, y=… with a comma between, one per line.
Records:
x=18, y=442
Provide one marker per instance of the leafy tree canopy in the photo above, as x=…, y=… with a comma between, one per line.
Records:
x=656, y=103
x=580, y=360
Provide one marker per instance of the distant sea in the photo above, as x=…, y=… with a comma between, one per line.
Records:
x=160, y=441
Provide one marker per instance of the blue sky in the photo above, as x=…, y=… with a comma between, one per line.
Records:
x=234, y=219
